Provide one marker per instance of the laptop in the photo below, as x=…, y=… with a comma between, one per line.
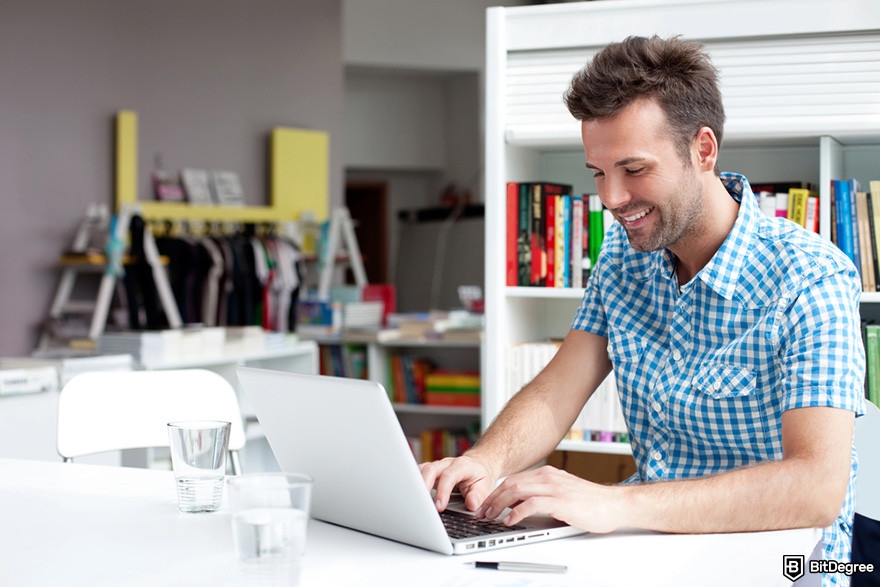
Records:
x=345, y=434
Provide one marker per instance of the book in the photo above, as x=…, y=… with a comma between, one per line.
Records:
x=196, y=186
x=551, y=237
x=524, y=246
x=781, y=199
x=597, y=227
x=797, y=205
x=866, y=252
x=767, y=202
x=562, y=255
x=166, y=187
x=576, y=242
x=874, y=205
x=872, y=356
x=854, y=187
x=813, y=213
x=512, y=227
x=843, y=214
x=226, y=188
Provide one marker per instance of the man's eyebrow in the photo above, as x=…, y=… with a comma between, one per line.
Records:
x=622, y=163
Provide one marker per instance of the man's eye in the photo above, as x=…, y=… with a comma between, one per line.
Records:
x=635, y=171
x=597, y=174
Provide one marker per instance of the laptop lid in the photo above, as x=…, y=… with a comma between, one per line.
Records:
x=345, y=434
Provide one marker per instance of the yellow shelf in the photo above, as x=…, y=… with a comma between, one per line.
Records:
x=299, y=174
x=179, y=211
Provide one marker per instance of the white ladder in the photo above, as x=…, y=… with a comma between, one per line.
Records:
x=340, y=232
x=80, y=259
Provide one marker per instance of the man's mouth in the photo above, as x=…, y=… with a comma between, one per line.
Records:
x=637, y=215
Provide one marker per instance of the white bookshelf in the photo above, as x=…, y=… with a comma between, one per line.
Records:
x=784, y=65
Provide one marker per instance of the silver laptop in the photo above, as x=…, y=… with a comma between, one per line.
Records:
x=344, y=433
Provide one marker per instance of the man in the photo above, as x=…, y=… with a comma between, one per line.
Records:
x=734, y=337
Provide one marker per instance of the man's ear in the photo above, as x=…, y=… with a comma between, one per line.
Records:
x=706, y=149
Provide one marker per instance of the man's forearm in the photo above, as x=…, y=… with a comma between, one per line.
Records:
x=805, y=489
x=536, y=419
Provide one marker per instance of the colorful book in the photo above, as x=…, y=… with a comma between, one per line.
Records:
x=872, y=356
x=866, y=253
x=597, y=228
x=797, y=205
x=576, y=242
x=550, y=203
x=843, y=205
x=511, y=253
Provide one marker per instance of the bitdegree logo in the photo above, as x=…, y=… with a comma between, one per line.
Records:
x=832, y=566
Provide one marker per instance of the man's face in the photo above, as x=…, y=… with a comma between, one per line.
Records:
x=641, y=178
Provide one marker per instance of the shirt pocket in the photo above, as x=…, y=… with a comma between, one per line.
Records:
x=722, y=411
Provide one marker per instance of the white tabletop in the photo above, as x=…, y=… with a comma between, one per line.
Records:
x=74, y=524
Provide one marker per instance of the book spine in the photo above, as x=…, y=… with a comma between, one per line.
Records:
x=550, y=203
x=872, y=355
x=874, y=199
x=843, y=211
x=563, y=248
x=813, y=214
x=524, y=245
x=797, y=205
x=865, y=249
x=512, y=225
x=854, y=221
x=538, y=236
x=767, y=201
x=577, y=237
x=782, y=204
x=596, y=228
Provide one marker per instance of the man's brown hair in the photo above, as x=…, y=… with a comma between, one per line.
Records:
x=677, y=74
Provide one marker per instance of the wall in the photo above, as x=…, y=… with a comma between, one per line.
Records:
x=208, y=79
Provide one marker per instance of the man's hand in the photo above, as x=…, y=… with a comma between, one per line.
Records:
x=561, y=495
x=473, y=479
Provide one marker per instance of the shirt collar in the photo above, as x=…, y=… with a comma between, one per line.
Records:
x=722, y=271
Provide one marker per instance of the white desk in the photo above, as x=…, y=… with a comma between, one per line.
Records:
x=75, y=524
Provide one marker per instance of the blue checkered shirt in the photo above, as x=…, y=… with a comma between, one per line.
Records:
x=771, y=323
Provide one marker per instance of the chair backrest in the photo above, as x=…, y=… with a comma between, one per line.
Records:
x=867, y=439
x=115, y=410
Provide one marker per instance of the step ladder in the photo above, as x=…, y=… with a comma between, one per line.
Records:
x=82, y=258
x=340, y=234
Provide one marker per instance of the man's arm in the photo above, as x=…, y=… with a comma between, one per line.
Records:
x=530, y=426
x=804, y=489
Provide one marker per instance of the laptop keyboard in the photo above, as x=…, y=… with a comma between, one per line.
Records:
x=460, y=525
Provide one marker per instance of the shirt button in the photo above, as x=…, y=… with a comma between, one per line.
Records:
x=657, y=407
x=656, y=455
x=676, y=355
x=608, y=348
x=716, y=386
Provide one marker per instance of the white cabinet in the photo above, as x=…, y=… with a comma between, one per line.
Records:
x=801, y=85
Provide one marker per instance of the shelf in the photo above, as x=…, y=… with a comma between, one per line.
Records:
x=563, y=293
x=178, y=211
x=871, y=297
x=437, y=410
x=613, y=448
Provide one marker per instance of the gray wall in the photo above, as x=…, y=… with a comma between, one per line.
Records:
x=208, y=79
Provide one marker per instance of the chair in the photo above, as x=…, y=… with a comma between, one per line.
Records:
x=118, y=410
x=866, y=527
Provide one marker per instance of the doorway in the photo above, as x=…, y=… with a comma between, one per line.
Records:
x=367, y=202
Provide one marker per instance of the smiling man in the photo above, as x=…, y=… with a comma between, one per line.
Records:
x=734, y=337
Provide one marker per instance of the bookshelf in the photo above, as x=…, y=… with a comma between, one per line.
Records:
x=415, y=418
x=800, y=84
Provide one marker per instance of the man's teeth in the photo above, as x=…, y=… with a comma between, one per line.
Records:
x=635, y=217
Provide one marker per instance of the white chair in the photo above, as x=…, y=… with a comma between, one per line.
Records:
x=118, y=410
x=867, y=440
